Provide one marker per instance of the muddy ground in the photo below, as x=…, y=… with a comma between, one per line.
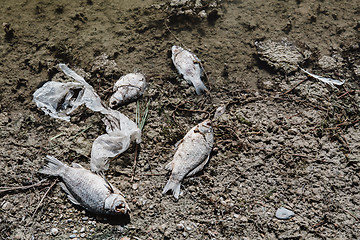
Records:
x=298, y=149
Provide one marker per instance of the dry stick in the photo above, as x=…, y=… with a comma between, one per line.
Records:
x=134, y=166
x=294, y=87
x=42, y=199
x=7, y=189
x=348, y=92
x=357, y=219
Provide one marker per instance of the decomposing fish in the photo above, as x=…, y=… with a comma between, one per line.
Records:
x=189, y=67
x=87, y=189
x=127, y=89
x=192, y=154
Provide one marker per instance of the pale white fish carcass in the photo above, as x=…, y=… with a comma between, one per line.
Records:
x=87, y=189
x=127, y=89
x=188, y=65
x=192, y=154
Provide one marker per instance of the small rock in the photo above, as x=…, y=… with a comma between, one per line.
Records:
x=135, y=186
x=284, y=214
x=202, y=14
x=281, y=55
x=82, y=235
x=243, y=219
x=180, y=227
x=85, y=218
x=162, y=228
x=7, y=206
x=236, y=215
x=327, y=63
x=72, y=236
x=75, y=231
x=125, y=238
x=82, y=229
x=54, y=231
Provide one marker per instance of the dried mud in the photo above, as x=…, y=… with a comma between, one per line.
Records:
x=279, y=144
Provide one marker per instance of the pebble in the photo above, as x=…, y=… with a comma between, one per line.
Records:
x=85, y=218
x=7, y=206
x=72, y=236
x=82, y=229
x=54, y=231
x=82, y=235
x=283, y=213
x=135, y=186
x=180, y=227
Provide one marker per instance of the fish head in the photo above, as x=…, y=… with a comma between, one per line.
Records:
x=176, y=49
x=115, y=100
x=116, y=204
x=205, y=126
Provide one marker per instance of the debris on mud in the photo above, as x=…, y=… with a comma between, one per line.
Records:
x=281, y=54
x=60, y=99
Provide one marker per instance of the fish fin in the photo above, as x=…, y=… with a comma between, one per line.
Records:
x=177, y=144
x=169, y=166
x=69, y=194
x=108, y=185
x=199, y=87
x=76, y=165
x=174, y=187
x=198, y=168
x=53, y=168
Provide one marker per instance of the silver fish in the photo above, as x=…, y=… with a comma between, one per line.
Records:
x=189, y=67
x=87, y=189
x=127, y=89
x=192, y=154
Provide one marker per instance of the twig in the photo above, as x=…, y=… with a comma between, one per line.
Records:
x=357, y=219
x=42, y=199
x=294, y=87
x=135, y=158
x=348, y=92
x=7, y=189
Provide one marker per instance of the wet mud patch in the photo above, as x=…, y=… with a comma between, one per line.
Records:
x=286, y=140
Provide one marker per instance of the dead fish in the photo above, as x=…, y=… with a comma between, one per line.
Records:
x=127, y=89
x=87, y=189
x=189, y=67
x=192, y=154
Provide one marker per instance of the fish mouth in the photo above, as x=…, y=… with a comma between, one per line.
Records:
x=121, y=208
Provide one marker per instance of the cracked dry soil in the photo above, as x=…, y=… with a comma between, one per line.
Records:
x=274, y=148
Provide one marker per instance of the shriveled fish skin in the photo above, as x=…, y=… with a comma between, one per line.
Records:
x=128, y=88
x=188, y=65
x=87, y=189
x=191, y=156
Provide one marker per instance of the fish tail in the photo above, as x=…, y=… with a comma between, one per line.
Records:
x=174, y=187
x=53, y=168
x=200, y=88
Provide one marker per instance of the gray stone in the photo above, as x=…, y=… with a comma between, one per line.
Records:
x=284, y=214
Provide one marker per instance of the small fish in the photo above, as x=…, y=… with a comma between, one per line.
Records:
x=87, y=189
x=192, y=154
x=189, y=67
x=127, y=89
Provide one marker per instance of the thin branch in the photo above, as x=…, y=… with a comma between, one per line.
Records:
x=8, y=189
x=42, y=199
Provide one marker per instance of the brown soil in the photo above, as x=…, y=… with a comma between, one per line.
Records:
x=298, y=150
